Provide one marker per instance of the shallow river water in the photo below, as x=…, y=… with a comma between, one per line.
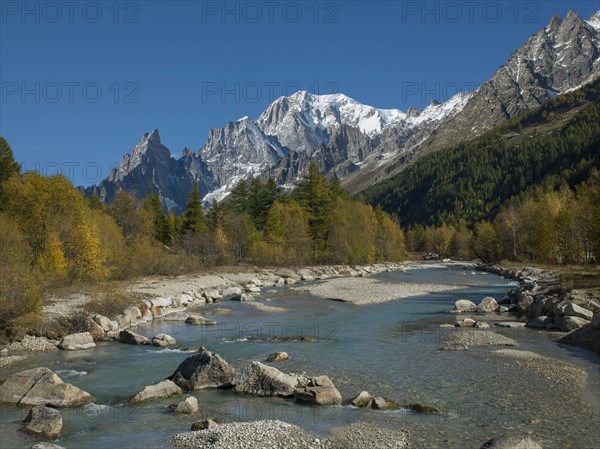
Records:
x=388, y=349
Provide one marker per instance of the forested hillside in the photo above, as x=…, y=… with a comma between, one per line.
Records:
x=528, y=190
x=557, y=142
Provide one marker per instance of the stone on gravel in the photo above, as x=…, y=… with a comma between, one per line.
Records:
x=205, y=369
x=188, y=406
x=131, y=338
x=204, y=425
x=467, y=322
x=43, y=422
x=510, y=441
x=278, y=357
x=73, y=342
x=587, y=337
x=40, y=386
x=262, y=380
x=163, y=340
x=319, y=391
x=464, y=305
x=164, y=389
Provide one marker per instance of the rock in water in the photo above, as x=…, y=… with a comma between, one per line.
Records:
x=463, y=339
x=187, y=407
x=163, y=340
x=381, y=403
x=512, y=442
x=204, y=425
x=423, y=408
x=40, y=386
x=132, y=338
x=362, y=400
x=278, y=357
x=163, y=389
x=83, y=340
x=199, y=320
x=464, y=305
x=319, y=391
x=263, y=380
x=487, y=305
x=205, y=369
x=43, y=422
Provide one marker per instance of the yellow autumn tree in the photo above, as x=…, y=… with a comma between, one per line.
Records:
x=52, y=261
x=89, y=261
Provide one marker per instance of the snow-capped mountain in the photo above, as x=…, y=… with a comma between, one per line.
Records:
x=561, y=57
x=357, y=143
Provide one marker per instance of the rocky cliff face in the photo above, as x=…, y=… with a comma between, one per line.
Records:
x=356, y=143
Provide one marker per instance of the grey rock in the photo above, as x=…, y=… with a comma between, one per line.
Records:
x=319, y=391
x=263, y=380
x=163, y=340
x=540, y=322
x=203, y=425
x=278, y=357
x=205, y=369
x=45, y=445
x=570, y=323
x=73, y=342
x=43, y=422
x=363, y=399
x=232, y=293
x=487, y=305
x=188, y=406
x=577, y=311
x=587, y=337
x=381, y=403
x=164, y=389
x=464, y=305
x=423, y=408
x=199, y=320
x=40, y=386
x=131, y=338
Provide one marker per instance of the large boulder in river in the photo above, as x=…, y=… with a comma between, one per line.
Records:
x=164, y=389
x=362, y=400
x=43, y=422
x=464, y=305
x=205, y=369
x=83, y=340
x=319, y=391
x=510, y=441
x=132, y=338
x=487, y=305
x=40, y=386
x=577, y=311
x=263, y=380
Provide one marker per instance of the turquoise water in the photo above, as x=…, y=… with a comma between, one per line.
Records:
x=387, y=349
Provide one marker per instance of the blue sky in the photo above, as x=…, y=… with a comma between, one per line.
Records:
x=82, y=83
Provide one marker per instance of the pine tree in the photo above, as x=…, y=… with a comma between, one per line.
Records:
x=193, y=216
x=8, y=165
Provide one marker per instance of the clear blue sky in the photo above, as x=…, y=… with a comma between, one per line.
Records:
x=82, y=83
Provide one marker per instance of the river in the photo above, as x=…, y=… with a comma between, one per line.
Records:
x=388, y=349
